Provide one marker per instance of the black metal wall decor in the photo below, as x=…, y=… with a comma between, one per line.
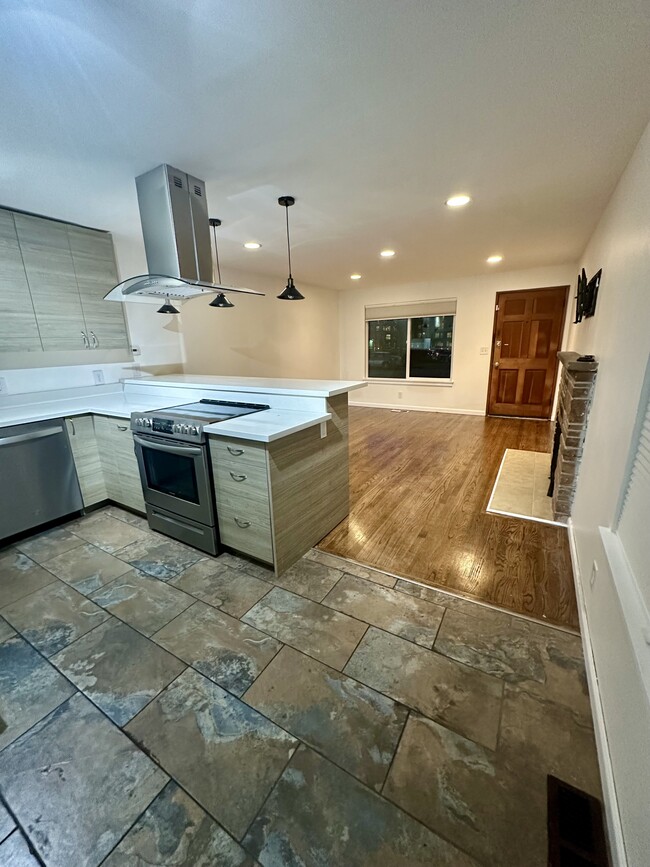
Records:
x=587, y=295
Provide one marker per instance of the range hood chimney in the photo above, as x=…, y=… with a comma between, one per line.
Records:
x=175, y=227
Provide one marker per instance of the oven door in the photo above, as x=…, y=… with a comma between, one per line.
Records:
x=175, y=477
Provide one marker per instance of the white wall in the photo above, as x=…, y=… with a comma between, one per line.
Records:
x=264, y=336
x=473, y=329
x=619, y=336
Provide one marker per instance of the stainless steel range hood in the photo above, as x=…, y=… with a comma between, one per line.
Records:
x=174, y=216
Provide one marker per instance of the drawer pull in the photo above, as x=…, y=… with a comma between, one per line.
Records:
x=241, y=523
x=236, y=452
x=119, y=427
x=238, y=477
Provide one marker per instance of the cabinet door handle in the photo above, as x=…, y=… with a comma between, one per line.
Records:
x=119, y=427
x=95, y=342
x=84, y=337
x=74, y=432
x=241, y=523
x=235, y=451
x=238, y=477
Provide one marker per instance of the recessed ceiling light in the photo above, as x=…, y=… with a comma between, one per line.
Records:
x=355, y=276
x=494, y=260
x=252, y=245
x=458, y=201
x=387, y=254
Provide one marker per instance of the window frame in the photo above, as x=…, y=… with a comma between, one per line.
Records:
x=408, y=379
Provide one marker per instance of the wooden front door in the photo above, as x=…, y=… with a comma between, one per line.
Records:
x=527, y=335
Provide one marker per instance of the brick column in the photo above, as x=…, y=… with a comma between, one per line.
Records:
x=576, y=392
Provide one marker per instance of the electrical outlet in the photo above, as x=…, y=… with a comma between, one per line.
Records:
x=3, y=386
x=594, y=574
x=98, y=376
x=484, y=350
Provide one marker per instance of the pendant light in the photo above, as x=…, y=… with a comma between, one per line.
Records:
x=220, y=300
x=168, y=307
x=290, y=292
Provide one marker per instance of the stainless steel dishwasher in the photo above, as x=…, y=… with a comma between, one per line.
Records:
x=38, y=480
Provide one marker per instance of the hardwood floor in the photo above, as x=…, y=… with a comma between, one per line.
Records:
x=419, y=486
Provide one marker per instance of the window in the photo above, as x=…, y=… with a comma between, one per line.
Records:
x=411, y=346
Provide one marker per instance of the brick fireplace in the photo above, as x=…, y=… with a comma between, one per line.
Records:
x=577, y=384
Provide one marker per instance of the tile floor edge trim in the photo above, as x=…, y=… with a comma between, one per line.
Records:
x=523, y=517
x=446, y=592
x=614, y=823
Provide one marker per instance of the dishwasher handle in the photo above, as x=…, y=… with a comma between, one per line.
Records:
x=31, y=435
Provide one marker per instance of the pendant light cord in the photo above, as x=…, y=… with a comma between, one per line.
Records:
x=216, y=253
x=286, y=208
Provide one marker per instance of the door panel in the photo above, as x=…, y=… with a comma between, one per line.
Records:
x=527, y=335
x=18, y=328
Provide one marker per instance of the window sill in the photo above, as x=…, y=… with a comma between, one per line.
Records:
x=440, y=383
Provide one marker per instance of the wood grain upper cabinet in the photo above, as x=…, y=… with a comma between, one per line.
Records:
x=94, y=263
x=52, y=282
x=18, y=328
x=53, y=279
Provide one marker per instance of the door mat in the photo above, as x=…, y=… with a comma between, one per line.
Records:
x=521, y=485
x=576, y=837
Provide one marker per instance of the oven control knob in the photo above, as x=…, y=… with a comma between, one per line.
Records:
x=176, y=428
x=147, y=422
x=193, y=430
x=186, y=428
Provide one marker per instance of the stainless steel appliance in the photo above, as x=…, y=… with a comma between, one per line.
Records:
x=173, y=456
x=37, y=474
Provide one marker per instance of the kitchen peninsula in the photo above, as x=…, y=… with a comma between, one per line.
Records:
x=279, y=476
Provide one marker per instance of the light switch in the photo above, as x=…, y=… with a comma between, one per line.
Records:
x=484, y=350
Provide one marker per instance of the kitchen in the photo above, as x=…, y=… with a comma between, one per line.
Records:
x=254, y=605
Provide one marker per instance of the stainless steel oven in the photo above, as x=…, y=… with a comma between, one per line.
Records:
x=174, y=461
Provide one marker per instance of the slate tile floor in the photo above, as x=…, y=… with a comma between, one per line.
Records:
x=162, y=707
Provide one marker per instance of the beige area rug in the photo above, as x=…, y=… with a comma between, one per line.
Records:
x=521, y=485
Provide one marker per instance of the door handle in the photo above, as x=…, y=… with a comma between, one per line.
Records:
x=84, y=337
x=496, y=363
x=241, y=523
x=238, y=477
x=95, y=342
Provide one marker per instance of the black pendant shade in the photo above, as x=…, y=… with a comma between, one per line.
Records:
x=290, y=292
x=168, y=307
x=221, y=301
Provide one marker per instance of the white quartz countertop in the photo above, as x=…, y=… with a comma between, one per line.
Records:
x=117, y=404
x=268, y=425
x=259, y=385
x=265, y=426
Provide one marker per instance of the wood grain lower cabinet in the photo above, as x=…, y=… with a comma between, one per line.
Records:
x=81, y=433
x=275, y=501
x=119, y=464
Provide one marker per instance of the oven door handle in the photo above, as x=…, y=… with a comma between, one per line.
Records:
x=173, y=450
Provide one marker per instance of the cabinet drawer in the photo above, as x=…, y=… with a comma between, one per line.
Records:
x=235, y=452
x=246, y=531
x=241, y=484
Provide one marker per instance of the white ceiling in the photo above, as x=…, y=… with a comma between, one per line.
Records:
x=370, y=112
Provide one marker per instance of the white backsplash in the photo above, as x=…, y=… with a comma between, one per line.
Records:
x=28, y=380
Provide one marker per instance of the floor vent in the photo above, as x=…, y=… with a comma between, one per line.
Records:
x=575, y=827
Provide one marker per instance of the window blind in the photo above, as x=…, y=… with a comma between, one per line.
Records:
x=634, y=519
x=444, y=307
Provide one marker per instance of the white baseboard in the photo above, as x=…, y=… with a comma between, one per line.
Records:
x=417, y=408
x=612, y=814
